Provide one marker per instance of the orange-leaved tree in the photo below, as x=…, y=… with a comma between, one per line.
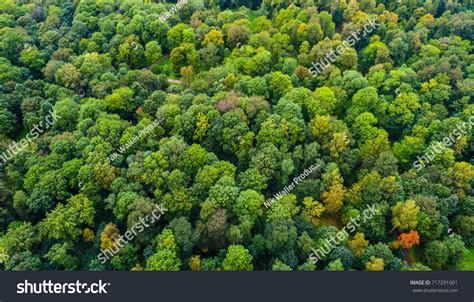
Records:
x=408, y=240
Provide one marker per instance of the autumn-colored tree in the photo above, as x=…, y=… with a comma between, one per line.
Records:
x=213, y=36
x=195, y=263
x=375, y=264
x=202, y=125
x=108, y=236
x=333, y=198
x=358, y=244
x=407, y=240
x=88, y=235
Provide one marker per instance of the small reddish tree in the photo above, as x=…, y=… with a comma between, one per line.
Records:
x=408, y=240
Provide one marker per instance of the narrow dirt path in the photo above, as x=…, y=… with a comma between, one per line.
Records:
x=176, y=81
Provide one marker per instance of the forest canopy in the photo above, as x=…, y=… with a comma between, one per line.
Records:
x=110, y=111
